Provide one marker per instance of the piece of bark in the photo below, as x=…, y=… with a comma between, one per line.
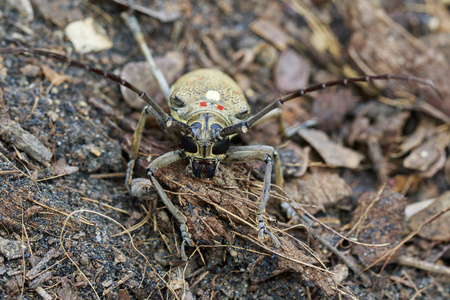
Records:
x=12, y=132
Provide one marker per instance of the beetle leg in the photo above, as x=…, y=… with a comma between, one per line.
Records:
x=137, y=136
x=244, y=154
x=154, y=166
x=276, y=113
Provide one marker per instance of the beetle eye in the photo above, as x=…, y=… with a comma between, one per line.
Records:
x=221, y=147
x=188, y=144
x=242, y=115
x=178, y=102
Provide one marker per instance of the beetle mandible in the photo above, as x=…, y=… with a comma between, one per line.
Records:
x=207, y=108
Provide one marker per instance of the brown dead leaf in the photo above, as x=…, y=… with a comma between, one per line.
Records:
x=378, y=220
x=55, y=78
x=60, y=12
x=414, y=140
x=333, y=154
x=405, y=183
x=271, y=32
x=430, y=153
x=387, y=130
x=291, y=71
x=67, y=290
x=139, y=73
x=317, y=190
x=330, y=108
x=439, y=229
x=62, y=168
x=324, y=281
x=379, y=45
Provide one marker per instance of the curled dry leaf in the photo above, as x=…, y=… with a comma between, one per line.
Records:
x=291, y=260
x=439, y=229
x=55, y=78
x=414, y=140
x=62, y=168
x=430, y=156
x=334, y=155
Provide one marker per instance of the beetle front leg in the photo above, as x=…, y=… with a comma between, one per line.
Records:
x=154, y=166
x=267, y=154
x=137, y=136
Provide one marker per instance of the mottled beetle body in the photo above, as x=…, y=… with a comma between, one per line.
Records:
x=207, y=100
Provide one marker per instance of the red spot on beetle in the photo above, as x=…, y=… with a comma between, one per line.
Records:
x=203, y=103
x=201, y=78
x=237, y=93
x=220, y=107
x=190, y=82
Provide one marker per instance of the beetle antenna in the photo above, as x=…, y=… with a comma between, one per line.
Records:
x=168, y=120
x=243, y=126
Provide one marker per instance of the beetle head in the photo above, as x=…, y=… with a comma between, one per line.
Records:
x=203, y=145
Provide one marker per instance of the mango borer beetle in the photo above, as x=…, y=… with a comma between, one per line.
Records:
x=207, y=108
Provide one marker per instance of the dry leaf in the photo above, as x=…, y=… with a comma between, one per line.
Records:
x=439, y=229
x=381, y=223
x=139, y=73
x=317, y=189
x=55, y=78
x=291, y=71
x=87, y=36
x=333, y=154
x=271, y=32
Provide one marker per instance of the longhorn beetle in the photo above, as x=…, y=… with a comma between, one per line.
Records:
x=207, y=108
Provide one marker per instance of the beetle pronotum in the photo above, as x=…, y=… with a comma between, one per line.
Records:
x=207, y=108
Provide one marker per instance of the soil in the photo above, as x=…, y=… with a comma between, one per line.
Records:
x=355, y=177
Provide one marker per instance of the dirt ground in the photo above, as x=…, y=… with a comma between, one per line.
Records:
x=368, y=178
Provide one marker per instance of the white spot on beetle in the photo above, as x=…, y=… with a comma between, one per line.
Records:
x=212, y=95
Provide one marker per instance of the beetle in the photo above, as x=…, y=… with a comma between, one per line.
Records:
x=208, y=108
